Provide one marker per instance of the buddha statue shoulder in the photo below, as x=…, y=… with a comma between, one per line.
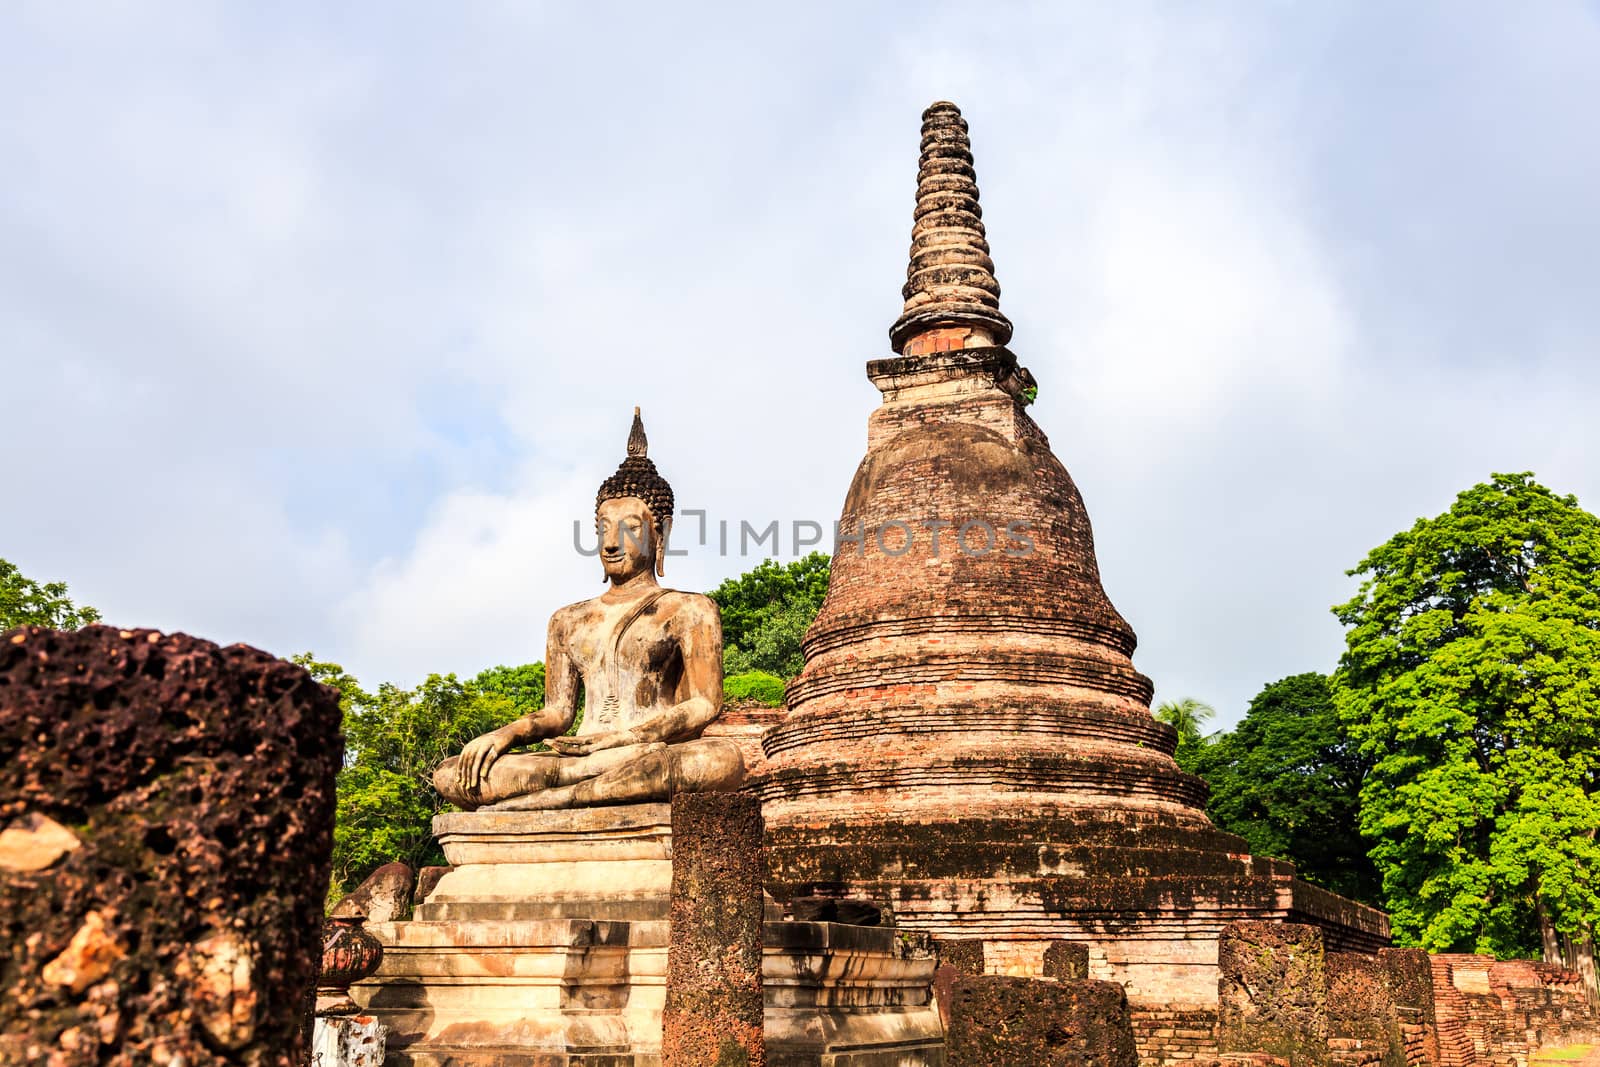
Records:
x=649, y=663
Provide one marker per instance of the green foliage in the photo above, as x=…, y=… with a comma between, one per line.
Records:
x=523, y=686
x=1288, y=780
x=24, y=602
x=754, y=685
x=394, y=738
x=765, y=613
x=1471, y=678
x=1187, y=716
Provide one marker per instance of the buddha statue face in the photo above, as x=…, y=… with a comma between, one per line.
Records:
x=627, y=537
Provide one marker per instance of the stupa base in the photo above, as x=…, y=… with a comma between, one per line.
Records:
x=1147, y=893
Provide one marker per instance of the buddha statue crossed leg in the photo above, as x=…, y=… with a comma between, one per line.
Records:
x=650, y=662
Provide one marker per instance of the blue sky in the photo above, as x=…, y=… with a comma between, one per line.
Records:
x=319, y=327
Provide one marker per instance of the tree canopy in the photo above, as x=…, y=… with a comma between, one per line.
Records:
x=766, y=611
x=1471, y=680
x=1288, y=780
x=25, y=602
x=394, y=738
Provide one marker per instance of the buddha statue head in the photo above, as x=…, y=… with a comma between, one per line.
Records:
x=633, y=513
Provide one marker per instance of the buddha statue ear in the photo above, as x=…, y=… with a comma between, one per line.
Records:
x=661, y=546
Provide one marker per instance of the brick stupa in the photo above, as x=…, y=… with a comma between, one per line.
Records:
x=969, y=742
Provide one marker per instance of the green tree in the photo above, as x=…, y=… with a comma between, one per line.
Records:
x=1188, y=716
x=766, y=611
x=394, y=738
x=1471, y=679
x=25, y=602
x=523, y=686
x=1288, y=780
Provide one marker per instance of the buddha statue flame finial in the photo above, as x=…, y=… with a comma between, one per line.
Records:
x=638, y=444
x=637, y=477
x=951, y=297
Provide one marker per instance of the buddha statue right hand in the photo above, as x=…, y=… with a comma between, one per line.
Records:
x=479, y=754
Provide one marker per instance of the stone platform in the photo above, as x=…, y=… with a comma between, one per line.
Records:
x=545, y=945
x=595, y=863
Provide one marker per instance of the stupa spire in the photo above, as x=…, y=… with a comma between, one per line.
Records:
x=952, y=298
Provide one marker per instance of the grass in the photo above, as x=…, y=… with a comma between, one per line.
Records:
x=1561, y=1055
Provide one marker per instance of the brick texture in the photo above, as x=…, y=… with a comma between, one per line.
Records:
x=1496, y=1013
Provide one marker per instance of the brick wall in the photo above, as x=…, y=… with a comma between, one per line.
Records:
x=1495, y=1013
x=1174, y=1037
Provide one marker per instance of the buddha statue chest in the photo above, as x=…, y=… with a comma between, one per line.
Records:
x=630, y=656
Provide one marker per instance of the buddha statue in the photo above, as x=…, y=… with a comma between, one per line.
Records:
x=649, y=661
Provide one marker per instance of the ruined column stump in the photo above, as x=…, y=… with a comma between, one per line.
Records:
x=998, y=1021
x=1274, y=992
x=167, y=808
x=713, y=1012
x=1066, y=959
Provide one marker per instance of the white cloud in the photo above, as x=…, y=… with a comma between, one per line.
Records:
x=328, y=328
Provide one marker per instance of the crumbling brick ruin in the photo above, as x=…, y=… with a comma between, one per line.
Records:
x=167, y=808
x=1495, y=1012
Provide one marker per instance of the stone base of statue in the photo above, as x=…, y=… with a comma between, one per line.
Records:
x=545, y=945
x=611, y=863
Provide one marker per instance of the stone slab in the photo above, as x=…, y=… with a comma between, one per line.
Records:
x=622, y=831
x=612, y=863
x=518, y=992
x=849, y=996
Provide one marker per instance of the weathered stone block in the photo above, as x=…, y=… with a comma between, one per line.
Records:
x=958, y=958
x=964, y=957
x=1273, y=991
x=427, y=881
x=1410, y=980
x=1066, y=959
x=1005, y=1022
x=182, y=922
x=1361, y=1014
x=385, y=896
x=713, y=1012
